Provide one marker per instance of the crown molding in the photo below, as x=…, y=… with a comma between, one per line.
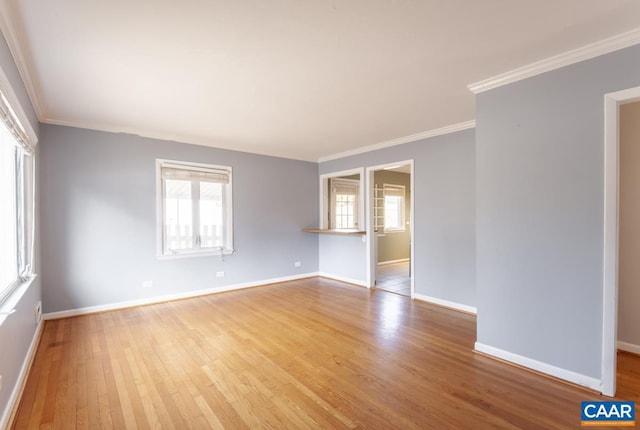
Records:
x=13, y=35
x=400, y=140
x=593, y=50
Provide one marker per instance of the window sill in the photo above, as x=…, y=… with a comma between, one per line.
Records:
x=8, y=306
x=344, y=231
x=212, y=253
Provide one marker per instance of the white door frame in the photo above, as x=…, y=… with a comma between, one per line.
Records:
x=612, y=101
x=371, y=234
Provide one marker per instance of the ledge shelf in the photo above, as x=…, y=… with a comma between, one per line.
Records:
x=344, y=231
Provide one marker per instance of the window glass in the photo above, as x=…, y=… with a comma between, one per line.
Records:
x=178, y=215
x=211, y=215
x=394, y=209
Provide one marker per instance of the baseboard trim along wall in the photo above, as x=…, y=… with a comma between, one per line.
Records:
x=629, y=347
x=447, y=304
x=18, y=389
x=401, y=260
x=539, y=366
x=170, y=297
x=358, y=282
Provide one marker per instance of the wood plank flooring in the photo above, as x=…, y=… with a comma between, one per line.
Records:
x=313, y=353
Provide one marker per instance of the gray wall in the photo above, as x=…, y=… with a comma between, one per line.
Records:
x=99, y=229
x=18, y=330
x=343, y=257
x=395, y=245
x=444, y=182
x=540, y=188
x=629, y=227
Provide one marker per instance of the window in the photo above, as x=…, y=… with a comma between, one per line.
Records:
x=394, y=210
x=16, y=201
x=194, y=201
x=344, y=203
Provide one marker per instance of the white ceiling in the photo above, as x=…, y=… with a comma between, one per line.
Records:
x=301, y=79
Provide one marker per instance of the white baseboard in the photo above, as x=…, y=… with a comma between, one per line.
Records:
x=447, y=304
x=402, y=260
x=539, y=366
x=18, y=389
x=169, y=297
x=629, y=347
x=343, y=279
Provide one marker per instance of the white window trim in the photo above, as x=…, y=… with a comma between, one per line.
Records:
x=325, y=195
x=404, y=210
x=355, y=183
x=228, y=214
x=16, y=111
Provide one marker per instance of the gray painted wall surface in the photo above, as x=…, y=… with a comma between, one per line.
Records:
x=444, y=182
x=540, y=188
x=343, y=256
x=99, y=230
x=395, y=245
x=17, y=331
x=629, y=226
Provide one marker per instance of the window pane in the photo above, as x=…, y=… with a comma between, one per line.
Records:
x=178, y=215
x=211, y=220
x=8, y=217
x=393, y=212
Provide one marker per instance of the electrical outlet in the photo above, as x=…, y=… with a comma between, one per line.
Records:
x=297, y=264
x=38, y=312
x=219, y=274
x=147, y=284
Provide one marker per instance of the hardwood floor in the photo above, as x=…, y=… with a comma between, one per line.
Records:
x=313, y=353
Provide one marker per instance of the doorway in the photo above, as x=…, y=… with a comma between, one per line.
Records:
x=390, y=224
x=612, y=250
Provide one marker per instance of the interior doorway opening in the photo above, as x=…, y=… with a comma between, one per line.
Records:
x=610, y=317
x=391, y=227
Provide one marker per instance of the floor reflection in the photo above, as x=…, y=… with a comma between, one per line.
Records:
x=394, y=278
x=391, y=316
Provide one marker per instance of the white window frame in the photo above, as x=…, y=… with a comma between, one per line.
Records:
x=325, y=195
x=397, y=190
x=227, y=247
x=347, y=183
x=15, y=119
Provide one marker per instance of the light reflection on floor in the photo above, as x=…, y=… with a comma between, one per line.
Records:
x=391, y=316
x=394, y=278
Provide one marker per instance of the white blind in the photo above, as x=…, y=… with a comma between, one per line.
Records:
x=391, y=190
x=192, y=173
x=344, y=187
x=10, y=120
